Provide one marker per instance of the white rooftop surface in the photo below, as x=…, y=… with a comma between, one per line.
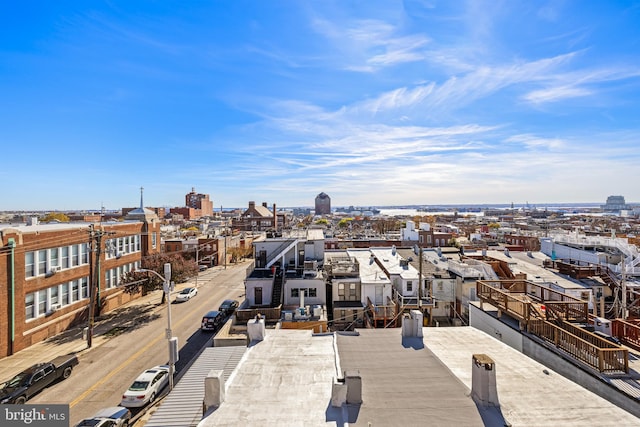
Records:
x=390, y=258
x=285, y=380
x=370, y=272
x=43, y=227
x=528, y=397
x=520, y=262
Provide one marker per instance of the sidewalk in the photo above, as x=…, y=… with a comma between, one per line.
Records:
x=71, y=340
x=108, y=325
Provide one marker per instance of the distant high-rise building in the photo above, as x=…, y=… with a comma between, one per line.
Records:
x=615, y=204
x=323, y=204
x=199, y=201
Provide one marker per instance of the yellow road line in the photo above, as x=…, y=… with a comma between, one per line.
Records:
x=78, y=399
x=112, y=373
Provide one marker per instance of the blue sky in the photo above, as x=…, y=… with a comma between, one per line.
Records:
x=372, y=102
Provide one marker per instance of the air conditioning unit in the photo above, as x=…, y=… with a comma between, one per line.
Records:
x=53, y=270
x=54, y=307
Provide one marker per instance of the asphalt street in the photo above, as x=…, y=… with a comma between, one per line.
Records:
x=129, y=340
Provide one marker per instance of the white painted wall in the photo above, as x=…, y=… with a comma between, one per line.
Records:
x=267, y=290
x=493, y=327
x=318, y=284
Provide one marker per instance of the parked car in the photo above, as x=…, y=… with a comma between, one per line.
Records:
x=228, y=306
x=212, y=320
x=186, y=294
x=146, y=387
x=202, y=267
x=116, y=416
x=32, y=380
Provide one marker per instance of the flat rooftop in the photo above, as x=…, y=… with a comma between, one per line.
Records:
x=286, y=380
x=530, y=394
x=403, y=382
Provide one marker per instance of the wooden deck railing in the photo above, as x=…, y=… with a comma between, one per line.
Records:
x=609, y=358
x=521, y=302
x=382, y=312
x=269, y=313
x=628, y=333
x=569, y=311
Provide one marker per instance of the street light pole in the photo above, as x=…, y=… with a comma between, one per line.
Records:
x=172, y=341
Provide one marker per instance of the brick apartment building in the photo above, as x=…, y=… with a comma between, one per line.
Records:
x=260, y=218
x=48, y=271
x=196, y=206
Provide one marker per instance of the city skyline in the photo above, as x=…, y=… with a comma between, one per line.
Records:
x=384, y=104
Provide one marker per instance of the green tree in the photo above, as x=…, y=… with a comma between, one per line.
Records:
x=181, y=270
x=322, y=221
x=344, y=222
x=55, y=217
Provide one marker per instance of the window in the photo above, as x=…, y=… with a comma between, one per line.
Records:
x=42, y=262
x=29, y=264
x=65, y=257
x=109, y=277
x=65, y=294
x=311, y=292
x=53, y=295
x=53, y=257
x=409, y=286
x=352, y=289
x=42, y=301
x=75, y=256
x=85, y=287
x=153, y=240
x=29, y=306
x=74, y=291
x=85, y=253
x=295, y=292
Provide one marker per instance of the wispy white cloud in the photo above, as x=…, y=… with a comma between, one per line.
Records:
x=536, y=142
x=368, y=45
x=556, y=94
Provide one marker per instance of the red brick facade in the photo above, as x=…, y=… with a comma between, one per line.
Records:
x=55, y=266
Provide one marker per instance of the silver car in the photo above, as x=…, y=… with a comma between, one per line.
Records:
x=116, y=416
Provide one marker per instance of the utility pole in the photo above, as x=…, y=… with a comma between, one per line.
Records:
x=95, y=246
x=225, y=241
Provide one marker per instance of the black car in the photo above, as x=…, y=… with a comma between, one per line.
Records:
x=212, y=320
x=228, y=306
x=34, y=379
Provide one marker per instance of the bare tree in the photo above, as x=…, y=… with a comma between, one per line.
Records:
x=181, y=270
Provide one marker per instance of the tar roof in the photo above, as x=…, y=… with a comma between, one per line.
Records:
x=404, y=383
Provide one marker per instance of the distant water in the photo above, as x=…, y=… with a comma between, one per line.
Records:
x=568, y=208
x=416, y=212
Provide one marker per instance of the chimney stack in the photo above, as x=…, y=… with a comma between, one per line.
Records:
x=275, y=218
x=483, y=381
